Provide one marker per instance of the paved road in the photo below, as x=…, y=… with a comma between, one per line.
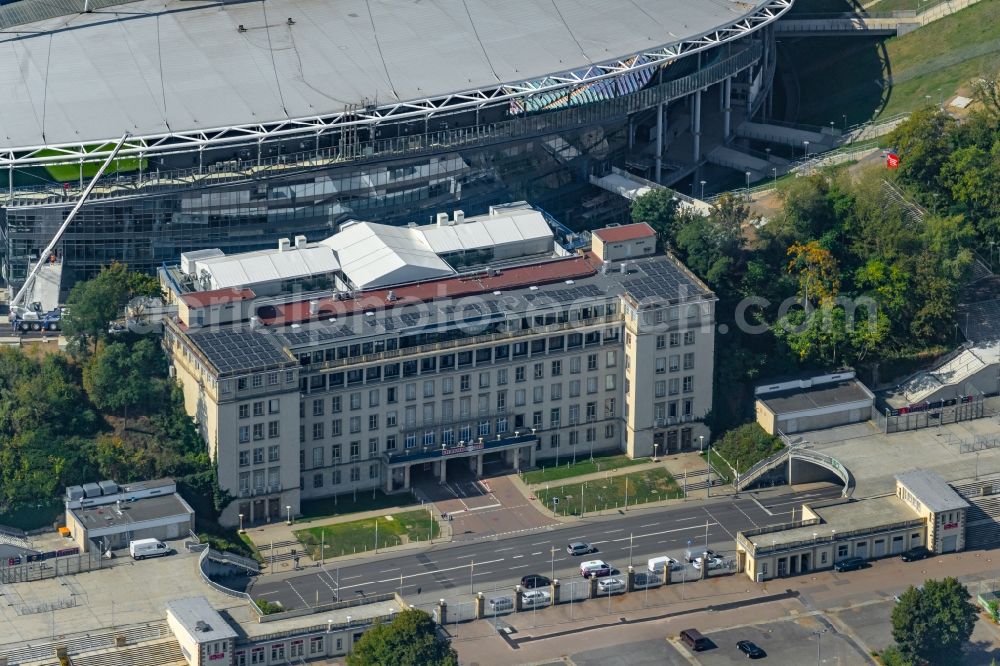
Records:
x=452, y=569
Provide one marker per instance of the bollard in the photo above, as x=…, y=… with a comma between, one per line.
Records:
x=480, y=606
x=630, y=579
x=554, y=591
x=593, y=587
x=442, y=612
x=518, y=601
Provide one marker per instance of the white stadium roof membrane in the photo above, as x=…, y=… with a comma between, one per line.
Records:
x=158, y=68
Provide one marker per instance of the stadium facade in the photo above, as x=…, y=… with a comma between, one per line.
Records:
x=255, y=121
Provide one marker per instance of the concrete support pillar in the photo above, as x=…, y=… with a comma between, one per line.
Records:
x=480, y=606
x=442, y=612
x=518, y=601
x=630, y=580
x=722, y=96
x=389, y=476
x=696, y=127
x=727, y=92
x=593, y=587
x=443, y=470
x=631, y=134
x=554, y=591
x=659, y=142
x=531, y=456
x=406, y=477
x=479, y=464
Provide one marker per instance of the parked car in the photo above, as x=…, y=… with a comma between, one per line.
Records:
x=644, y=579
x=850, y=564
x=610, y=585
x=713, y=563
x=501, y=604
x=535, y=580
x=662, y=563
x=691, y=554
x=534, y=598
x=751, y=650
x=579, y=548
x=914, y=554
x=695, y=640
x=595, y=568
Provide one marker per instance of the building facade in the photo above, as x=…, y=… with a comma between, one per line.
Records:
x=924, y=511
x=543, y=356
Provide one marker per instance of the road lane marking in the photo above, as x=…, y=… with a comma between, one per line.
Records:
x=538, y=553
x=388, y=570
x=424, y=573
x=500, y=550
x=352, y=577
x=613, y=531
x=762, y=507
x=649, y=525
x=516, y=557
x=541, y=543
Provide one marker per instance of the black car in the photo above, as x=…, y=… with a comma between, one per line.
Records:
x=535, y=580
x=914, y=554
x=850, y=564
x=751, y=650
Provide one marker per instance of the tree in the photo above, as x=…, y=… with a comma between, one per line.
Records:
x=817, y=271
x=924, y=143
x=930, y=624
x=411, y=639
x=118, y=377
x=658, y=209
x=92, y=305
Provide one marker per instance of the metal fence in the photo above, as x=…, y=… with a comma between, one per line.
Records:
x=930, y=417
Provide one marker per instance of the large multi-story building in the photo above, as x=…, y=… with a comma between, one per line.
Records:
x=382, y=354
x=253, y=121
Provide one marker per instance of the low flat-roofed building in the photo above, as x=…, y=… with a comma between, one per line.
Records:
x=204, y=636
x=938, y=503
x=812, y=403
x=925, y=511
x=142, y=510
x=629, y=241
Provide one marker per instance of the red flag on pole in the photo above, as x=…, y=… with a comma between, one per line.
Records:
x=892, y=161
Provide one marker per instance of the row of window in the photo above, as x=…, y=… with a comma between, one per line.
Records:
x=256, y=456
x=257, y=381
x=256, y=431
x=673, y=363
x=674, y=339
x=500, y=353
x=434, y=364
x=258, y=482
x=257, y=408
x=295, y=649
x=673, y=386
x=335, y=477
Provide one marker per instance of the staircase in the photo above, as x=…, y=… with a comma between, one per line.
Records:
x=44, y=653
x=166, y=652
x=951, y=373
x=982, y=520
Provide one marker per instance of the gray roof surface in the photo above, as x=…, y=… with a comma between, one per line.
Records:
x=656, y=279
x=824, y=395
x=932, y=490
x=160, y=66
x=192, y=610
x=147, y=508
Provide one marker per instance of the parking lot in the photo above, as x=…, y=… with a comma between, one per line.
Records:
x=786, y=642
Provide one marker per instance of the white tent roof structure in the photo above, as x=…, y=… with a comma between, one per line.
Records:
x=249, y=268
x=481, y=233
x=378, y=255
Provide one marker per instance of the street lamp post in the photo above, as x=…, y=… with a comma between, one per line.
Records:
x=552, y=562
x=288, y=508
x=844, y=116
x=703, y=190
x=656, y=446
x=819, y=636
x=806, y=144
x=708, y=464
x=748, y=174
x=241, y=523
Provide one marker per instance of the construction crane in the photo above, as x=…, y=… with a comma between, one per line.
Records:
x=34, y=317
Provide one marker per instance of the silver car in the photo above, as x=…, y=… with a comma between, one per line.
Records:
x=610, y=585
x=579, y=548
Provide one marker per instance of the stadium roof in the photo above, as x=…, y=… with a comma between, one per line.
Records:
x=163, y=67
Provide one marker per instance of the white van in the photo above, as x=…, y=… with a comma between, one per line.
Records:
x=595, y=568
x=140, y=549
x=501, y=604
x=658, y=565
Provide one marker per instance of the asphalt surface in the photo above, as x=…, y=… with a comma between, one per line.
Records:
x=448, y=570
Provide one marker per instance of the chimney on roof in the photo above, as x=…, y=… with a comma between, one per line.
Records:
x=255, y=323
x=284, y=245
x=300, y=242
x=442, y=219
x=459, y=217
x=391, y=296
x=314, y=307
x=605, y=266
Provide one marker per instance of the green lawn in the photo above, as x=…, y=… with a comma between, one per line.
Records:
x=358, y=536
x=646, y=486
x=548, y=471
x=341, y=505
